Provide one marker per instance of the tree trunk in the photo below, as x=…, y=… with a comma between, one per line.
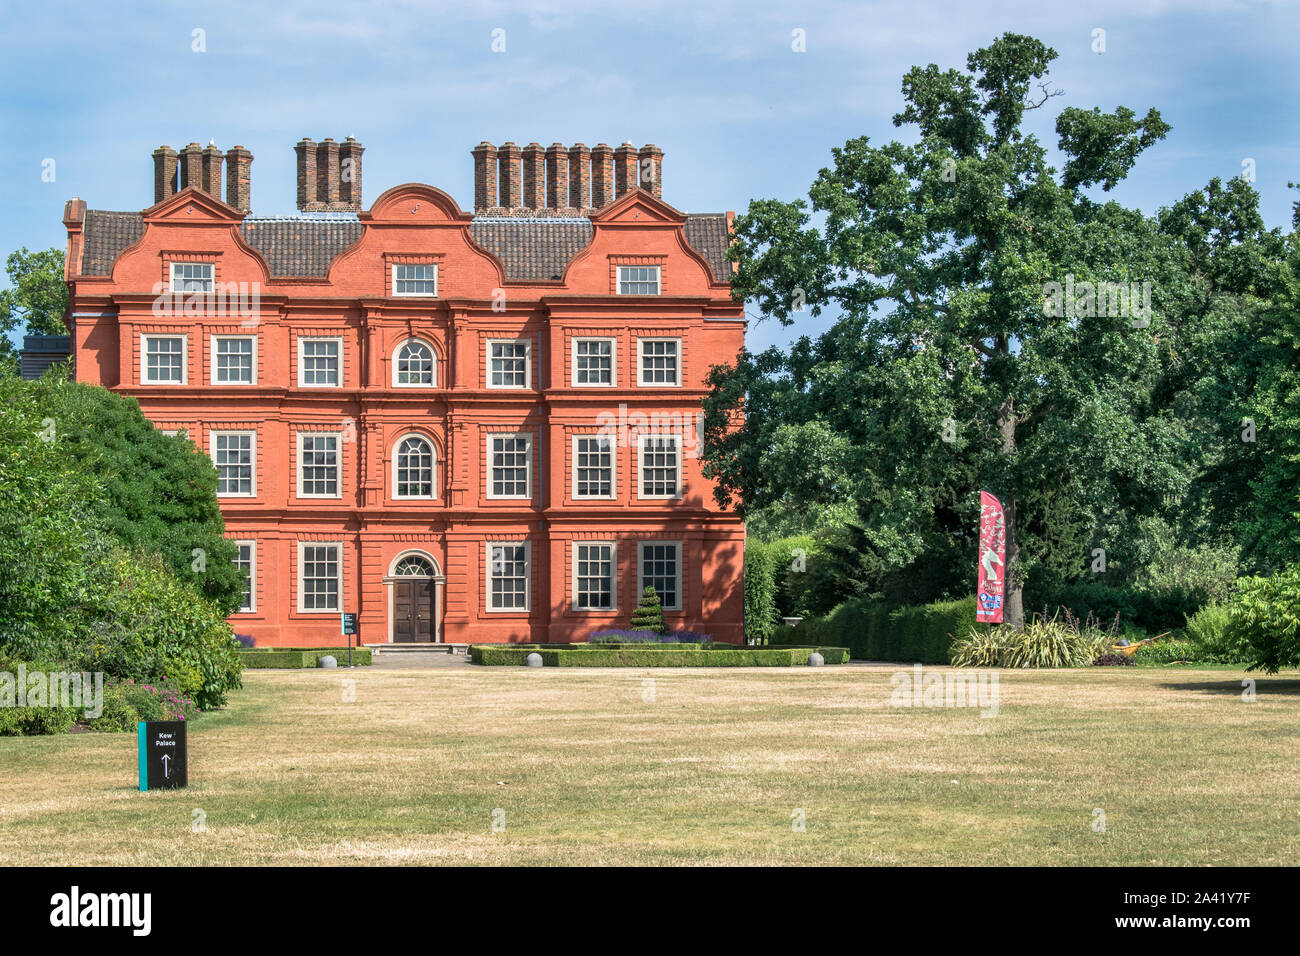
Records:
x=1013, y=611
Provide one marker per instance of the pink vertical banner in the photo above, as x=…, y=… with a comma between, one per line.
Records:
x=992, y=563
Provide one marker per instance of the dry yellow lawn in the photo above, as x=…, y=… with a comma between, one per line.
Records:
x=718, y=767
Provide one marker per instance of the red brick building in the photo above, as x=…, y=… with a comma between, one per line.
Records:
x=461, y=426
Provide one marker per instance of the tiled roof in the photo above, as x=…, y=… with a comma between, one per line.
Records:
x=532, y=248
x=306, y=244
x=300, y=246
x=106, y=235
x=707, y=235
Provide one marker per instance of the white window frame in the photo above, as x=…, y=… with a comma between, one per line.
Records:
x=252, y=575
x=418, y=265
x=213, y=435
x=528, y=364
x=656, y=269
x=342, y=601
x=212, y=360
x=302, y=368
x=613, y=468
x=640, y=467
x=487, y=466
x=433, y=479
x=640, y=361
x=338, y=461
x=145, y=339
x=487, y=576
x=211, y=279
x=433, y=358
x=613, y=361
x=613, y=574
x=640, y=570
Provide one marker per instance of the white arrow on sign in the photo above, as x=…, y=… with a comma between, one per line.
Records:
x=166, y=771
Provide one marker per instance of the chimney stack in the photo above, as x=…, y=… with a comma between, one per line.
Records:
x=191, y=168
x=350, y=173
x=164, y=173
x=306, y=151
x=557, y=177
x=210, y=170
x=580, y=178
x=534, y=176
x=327, y=172
x=329, y=175
x=652, y=160
x=485, y=177
x=239, y=174
x=602, y=176
x=625, y=178
x=508, y=155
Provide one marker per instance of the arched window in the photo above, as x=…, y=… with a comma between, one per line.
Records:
x=414, y=364
x=413, y=468
x=413, y=566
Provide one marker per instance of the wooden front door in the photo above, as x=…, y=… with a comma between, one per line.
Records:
x=413, y=611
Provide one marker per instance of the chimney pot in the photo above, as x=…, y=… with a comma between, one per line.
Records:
x=350, y=174
x=210, y=171
x=191, y=168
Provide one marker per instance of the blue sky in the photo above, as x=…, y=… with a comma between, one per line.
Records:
x=97, y=86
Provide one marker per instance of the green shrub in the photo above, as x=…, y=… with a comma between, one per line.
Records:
x=872, y=631
x=1168, y=652
x=157, y=628
x=760, y=592
x=126, y=703
x=1209, y=633
x=1265, y=620
x=649, y=613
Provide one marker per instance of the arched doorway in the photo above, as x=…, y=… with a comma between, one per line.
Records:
x=414, y=582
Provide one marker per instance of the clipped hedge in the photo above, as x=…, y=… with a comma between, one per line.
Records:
x=298, y=657
x=640, y=655
x=873, y=631
x=760, y=591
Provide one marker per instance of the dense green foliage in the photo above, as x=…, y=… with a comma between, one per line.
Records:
x=1265, y=621
x=157, y=492
x=1042, y=642
x=74, y=586
x=35, y=301
x=1152, y=451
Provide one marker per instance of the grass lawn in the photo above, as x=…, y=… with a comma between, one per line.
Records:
x=711, y=771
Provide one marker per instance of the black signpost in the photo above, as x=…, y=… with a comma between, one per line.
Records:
x=349, y=628
x=163, y=761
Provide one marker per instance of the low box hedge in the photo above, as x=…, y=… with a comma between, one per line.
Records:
x=659, y=655
x=299, y=657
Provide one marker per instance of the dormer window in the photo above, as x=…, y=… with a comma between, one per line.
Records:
x=415, y=280
x=638, y=280
x=191, y=277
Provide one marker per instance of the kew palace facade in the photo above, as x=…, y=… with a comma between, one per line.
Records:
x=460, y=426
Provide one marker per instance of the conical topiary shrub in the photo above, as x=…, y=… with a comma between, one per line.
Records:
x=649, y=613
